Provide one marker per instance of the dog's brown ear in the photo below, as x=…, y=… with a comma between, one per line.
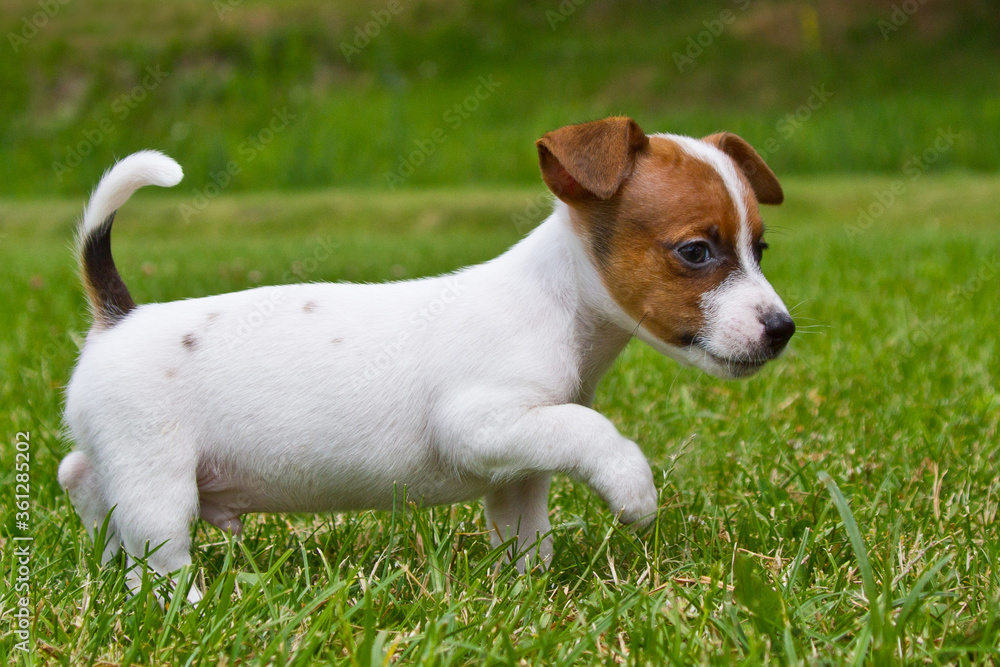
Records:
x=590, y=160
x=763, y=181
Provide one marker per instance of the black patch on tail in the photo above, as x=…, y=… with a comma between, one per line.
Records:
x=108, y=293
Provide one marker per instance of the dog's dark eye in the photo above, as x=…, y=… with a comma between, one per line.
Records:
x=696, y=252
x=758, y=250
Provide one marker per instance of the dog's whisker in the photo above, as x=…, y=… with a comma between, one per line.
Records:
x=800, y=303
x=641, y=320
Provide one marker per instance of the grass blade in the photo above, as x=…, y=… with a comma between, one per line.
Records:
x=854, y=535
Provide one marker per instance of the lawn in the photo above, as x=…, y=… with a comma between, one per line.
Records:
x=206, y=80
x=839, y=508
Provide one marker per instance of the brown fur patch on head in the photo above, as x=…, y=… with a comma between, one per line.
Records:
x=581, y=163
x=671, y=198
x=635, y=200
x=762, y=180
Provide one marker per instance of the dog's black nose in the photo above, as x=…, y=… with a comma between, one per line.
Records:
x=778, y=327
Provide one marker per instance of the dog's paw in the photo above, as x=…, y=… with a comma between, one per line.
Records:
x=627, y=487
x=640, y=509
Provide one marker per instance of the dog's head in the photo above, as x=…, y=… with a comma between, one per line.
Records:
x=673, y=228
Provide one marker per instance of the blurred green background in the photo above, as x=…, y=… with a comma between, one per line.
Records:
x=306, y=94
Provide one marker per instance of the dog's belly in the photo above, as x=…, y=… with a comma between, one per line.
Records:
x=228, y=490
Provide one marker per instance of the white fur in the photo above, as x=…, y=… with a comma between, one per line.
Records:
x=325, y=397
x=128, y=175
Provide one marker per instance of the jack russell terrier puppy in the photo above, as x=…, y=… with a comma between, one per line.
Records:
x=328, y=397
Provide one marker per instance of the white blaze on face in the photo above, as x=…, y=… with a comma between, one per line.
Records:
x=733, y=333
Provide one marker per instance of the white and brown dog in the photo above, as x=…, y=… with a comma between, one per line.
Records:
x=328, y=397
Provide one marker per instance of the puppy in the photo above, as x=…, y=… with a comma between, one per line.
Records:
x=330, y=397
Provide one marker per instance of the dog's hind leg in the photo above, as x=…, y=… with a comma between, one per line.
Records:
x=77, y=476
x=521, y=509
x=155, y=501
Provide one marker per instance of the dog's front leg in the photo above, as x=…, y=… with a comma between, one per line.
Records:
x=521, y=509
x=508, y=446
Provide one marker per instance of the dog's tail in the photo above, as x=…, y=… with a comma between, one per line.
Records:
x=107, y=293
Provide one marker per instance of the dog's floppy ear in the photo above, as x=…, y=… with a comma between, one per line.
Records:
x=763, y=181
x=590, y=160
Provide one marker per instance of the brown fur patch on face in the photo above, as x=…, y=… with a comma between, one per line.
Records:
x=189, y=341
x=671, y=198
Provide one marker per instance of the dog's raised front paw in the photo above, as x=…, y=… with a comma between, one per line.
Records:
x=627, y=487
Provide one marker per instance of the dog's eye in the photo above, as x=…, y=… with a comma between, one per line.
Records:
x=758, y=250
x=696, y=252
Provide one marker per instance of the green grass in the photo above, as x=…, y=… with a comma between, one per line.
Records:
x=73, y=96
x=839, y=508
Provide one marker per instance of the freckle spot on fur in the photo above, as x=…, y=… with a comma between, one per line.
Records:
x=337, y=341
x=212, y=317
x=189, y=341
x=309, y=307
x=171, y=372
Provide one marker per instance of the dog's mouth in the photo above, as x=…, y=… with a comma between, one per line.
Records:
x=737, y=367
x=692, y=350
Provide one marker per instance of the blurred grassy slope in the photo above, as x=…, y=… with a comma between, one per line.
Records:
x=78, y=91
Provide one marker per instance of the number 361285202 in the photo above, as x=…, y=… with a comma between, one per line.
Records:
x=22, y=464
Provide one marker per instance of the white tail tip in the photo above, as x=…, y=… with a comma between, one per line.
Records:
x=128, y=175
